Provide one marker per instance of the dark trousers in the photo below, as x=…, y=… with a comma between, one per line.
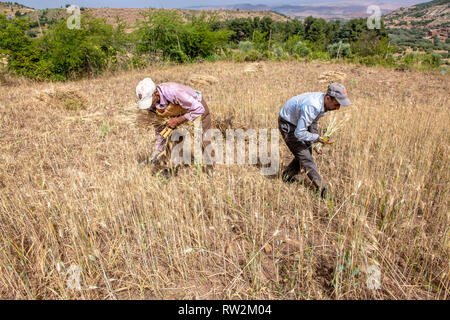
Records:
x=206, y=125
x=206, y=122
x=302, y=151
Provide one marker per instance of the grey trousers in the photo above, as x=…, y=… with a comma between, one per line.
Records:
x=302, y=151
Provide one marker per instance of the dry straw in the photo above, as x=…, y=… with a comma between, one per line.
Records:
x=66, y=217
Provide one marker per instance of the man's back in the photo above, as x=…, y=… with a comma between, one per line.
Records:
x=308, y=104
x=302, y=111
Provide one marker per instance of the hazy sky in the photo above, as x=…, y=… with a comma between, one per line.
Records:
x=40, y=4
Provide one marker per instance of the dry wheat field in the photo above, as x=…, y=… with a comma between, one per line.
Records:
x=73, y=227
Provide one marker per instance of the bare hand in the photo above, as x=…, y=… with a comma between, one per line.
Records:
x=318, y=149
x=175, y=122
x=325, y=140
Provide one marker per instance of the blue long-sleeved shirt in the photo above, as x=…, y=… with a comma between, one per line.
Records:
x=303, y=111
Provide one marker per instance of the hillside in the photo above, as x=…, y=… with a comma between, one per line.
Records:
x=74, y=227
x=431, y=17
x=345, y=10
x=129, y=15
x=11, y=8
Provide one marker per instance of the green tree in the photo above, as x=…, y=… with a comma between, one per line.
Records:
x=198, y=40
x=12, y=34
x=77, y=52
x=260, y=40
x=265, y=25
x=62, y=53
x=180, y=41
x=23, y=56
x=160, y=30
x=370, y=42
x=315, y=31
x=242, y=28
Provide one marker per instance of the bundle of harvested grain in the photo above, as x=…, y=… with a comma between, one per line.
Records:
x=332, y=76
x=146, y=118
x=333, y=126
x=159, y=118
x=223, y=122
x=172, y=110
x=68, y=100
x=253, y=67
x=202, y=80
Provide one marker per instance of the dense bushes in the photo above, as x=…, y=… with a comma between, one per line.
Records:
x=164, y=35
x=180, y=41
x=416, y=38
x=62, y=53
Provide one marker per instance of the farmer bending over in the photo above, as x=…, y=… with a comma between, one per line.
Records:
x=158, y=97
x=298, y=124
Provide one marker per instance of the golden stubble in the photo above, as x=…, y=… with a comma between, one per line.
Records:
x=67, y=150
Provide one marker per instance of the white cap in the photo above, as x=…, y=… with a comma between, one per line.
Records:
x=144, y=93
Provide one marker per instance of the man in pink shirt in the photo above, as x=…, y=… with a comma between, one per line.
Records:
x=152, y=97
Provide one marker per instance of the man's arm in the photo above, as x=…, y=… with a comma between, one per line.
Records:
x=175, y=122
x=194, y=107
x=314, y=127
x=307, y=117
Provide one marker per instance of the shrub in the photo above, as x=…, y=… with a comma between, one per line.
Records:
x=344, y=50
x=246, y=46
x=31, y=34
x=137, y=62
x=411, y=59
x=277, y=51
x=253, y=55
x=433, y=60
x=369, y=61
x=301, y=49
x=12, y=35
x=291, y=42
x=64, y=53
x=320, y=55
x=159, y=31
x=389, y=60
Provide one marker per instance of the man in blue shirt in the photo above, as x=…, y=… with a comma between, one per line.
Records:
x=298, y=124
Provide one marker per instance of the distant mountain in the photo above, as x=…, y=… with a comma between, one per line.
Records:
x=337, y=10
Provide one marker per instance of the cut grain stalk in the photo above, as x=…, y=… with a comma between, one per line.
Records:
x=333, y=127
